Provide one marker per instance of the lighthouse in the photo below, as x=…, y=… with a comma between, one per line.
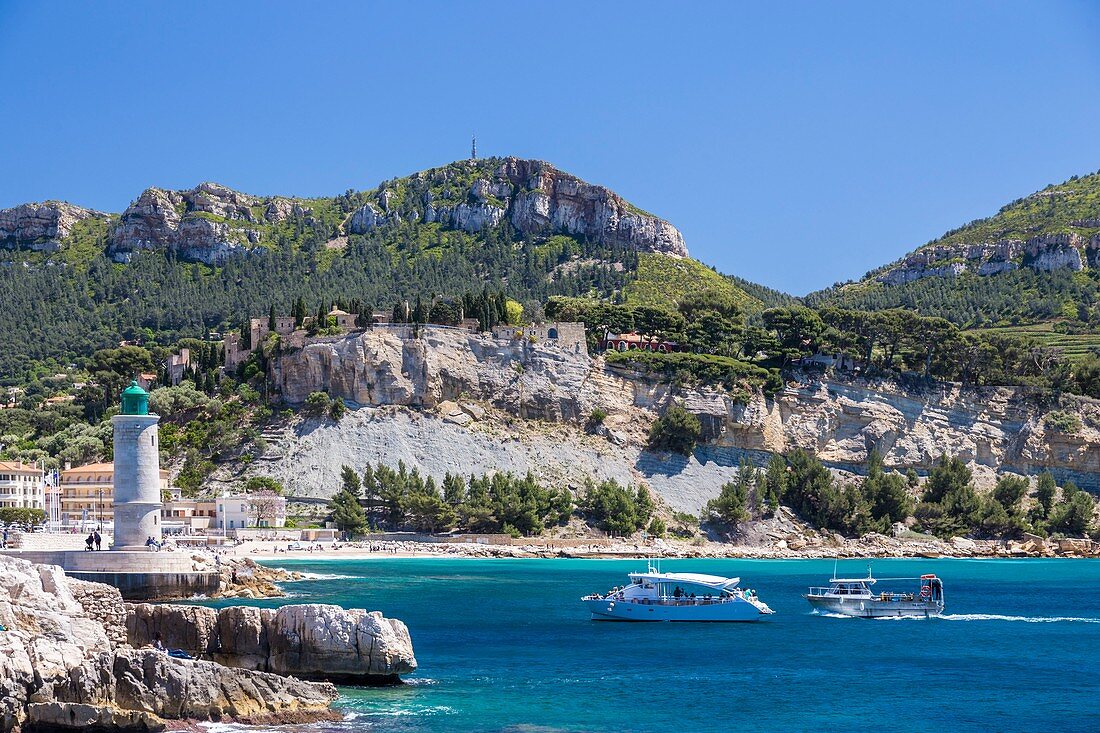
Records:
x=137, y=472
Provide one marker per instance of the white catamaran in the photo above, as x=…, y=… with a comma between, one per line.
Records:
x=657, y=596
x=854, y=597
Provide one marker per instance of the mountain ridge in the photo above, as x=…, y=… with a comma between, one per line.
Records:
x=212, y=222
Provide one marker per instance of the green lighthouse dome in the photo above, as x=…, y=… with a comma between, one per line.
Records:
x=135, y=400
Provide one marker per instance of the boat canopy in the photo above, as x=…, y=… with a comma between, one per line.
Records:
x=868, y=581
x=713, y=581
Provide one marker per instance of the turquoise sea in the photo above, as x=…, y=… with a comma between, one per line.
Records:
x=504, y=645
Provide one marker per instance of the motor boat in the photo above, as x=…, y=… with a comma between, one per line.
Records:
x=657, y=596
x=855, y=597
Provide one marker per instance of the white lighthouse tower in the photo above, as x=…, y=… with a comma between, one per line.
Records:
x=137, y=472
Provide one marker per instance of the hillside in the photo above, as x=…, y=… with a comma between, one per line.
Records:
x=1036, y=261
x=183, y=263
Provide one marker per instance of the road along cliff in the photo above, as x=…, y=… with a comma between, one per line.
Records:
x=453, y=401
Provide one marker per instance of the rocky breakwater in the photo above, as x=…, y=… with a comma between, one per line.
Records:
x=65, y=665
x=319, y=642
x=534, y=196
x=41, y=227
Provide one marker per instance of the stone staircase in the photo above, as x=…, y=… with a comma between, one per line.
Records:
x=277, y=439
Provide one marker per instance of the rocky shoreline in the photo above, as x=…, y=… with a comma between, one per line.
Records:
x=73, y=657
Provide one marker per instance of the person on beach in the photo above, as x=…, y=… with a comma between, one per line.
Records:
x=98, y=541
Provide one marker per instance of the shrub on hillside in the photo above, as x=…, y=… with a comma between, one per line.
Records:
x=1063, y=422
x=676, y=431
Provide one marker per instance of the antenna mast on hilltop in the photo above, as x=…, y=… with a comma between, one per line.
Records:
x=473, y=148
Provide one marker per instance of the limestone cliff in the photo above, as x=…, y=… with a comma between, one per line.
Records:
x=65, y=665
x=207, y=223
x=312, y=641
x=210, y=223
x=41, y=227
x=534, y=196
x=1045, y=253
x=445, y=403
x=1057, y=228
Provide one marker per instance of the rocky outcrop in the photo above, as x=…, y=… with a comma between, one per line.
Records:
x=211, y=223
x=208, y=223
x=380, y=367
x=313, y=641
x=41, y=227
x=536, y=198
x=1043, y=254
x=65, y=665
x=995, y=429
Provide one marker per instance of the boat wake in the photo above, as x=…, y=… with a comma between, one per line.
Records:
x=321, y=576
x=1025, y=619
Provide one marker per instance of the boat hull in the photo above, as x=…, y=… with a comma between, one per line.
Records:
x=612, y=610
x=874, y=608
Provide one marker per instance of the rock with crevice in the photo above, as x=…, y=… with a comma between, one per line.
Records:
x=65, y=666
x=312, y=641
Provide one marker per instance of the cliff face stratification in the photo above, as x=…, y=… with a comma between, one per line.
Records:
x=995, y=429
x=41, y=227
x=536, y=197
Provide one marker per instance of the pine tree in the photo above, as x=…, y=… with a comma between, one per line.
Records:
x=347, y=513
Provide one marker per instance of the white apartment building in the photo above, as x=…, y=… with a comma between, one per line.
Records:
x=21, y=486
x=250, y=510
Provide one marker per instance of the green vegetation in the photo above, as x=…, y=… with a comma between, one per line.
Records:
x=502, y=502
x=616, y=509
x=664, y=282
x=731, y=507
x=1063, y=422
x=950, y=506
x=692, y=369
x=21, y=515
x=1008, y=300
x=1057, y=209
x=1062, y=300
x=676, y=431
x=347, y=511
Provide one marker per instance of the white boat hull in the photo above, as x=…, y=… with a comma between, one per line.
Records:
x=874, y=608
x=604, y=609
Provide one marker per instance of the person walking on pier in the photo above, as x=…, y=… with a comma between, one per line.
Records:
x=98, y=541
x=88, y=543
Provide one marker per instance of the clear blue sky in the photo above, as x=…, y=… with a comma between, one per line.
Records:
x=795, y=146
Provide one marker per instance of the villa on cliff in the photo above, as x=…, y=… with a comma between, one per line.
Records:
x=633, y=340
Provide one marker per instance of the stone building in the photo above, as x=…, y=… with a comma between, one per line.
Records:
x=565, y=335
x=21, y=486
x=177, y=365
x=293, y=336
